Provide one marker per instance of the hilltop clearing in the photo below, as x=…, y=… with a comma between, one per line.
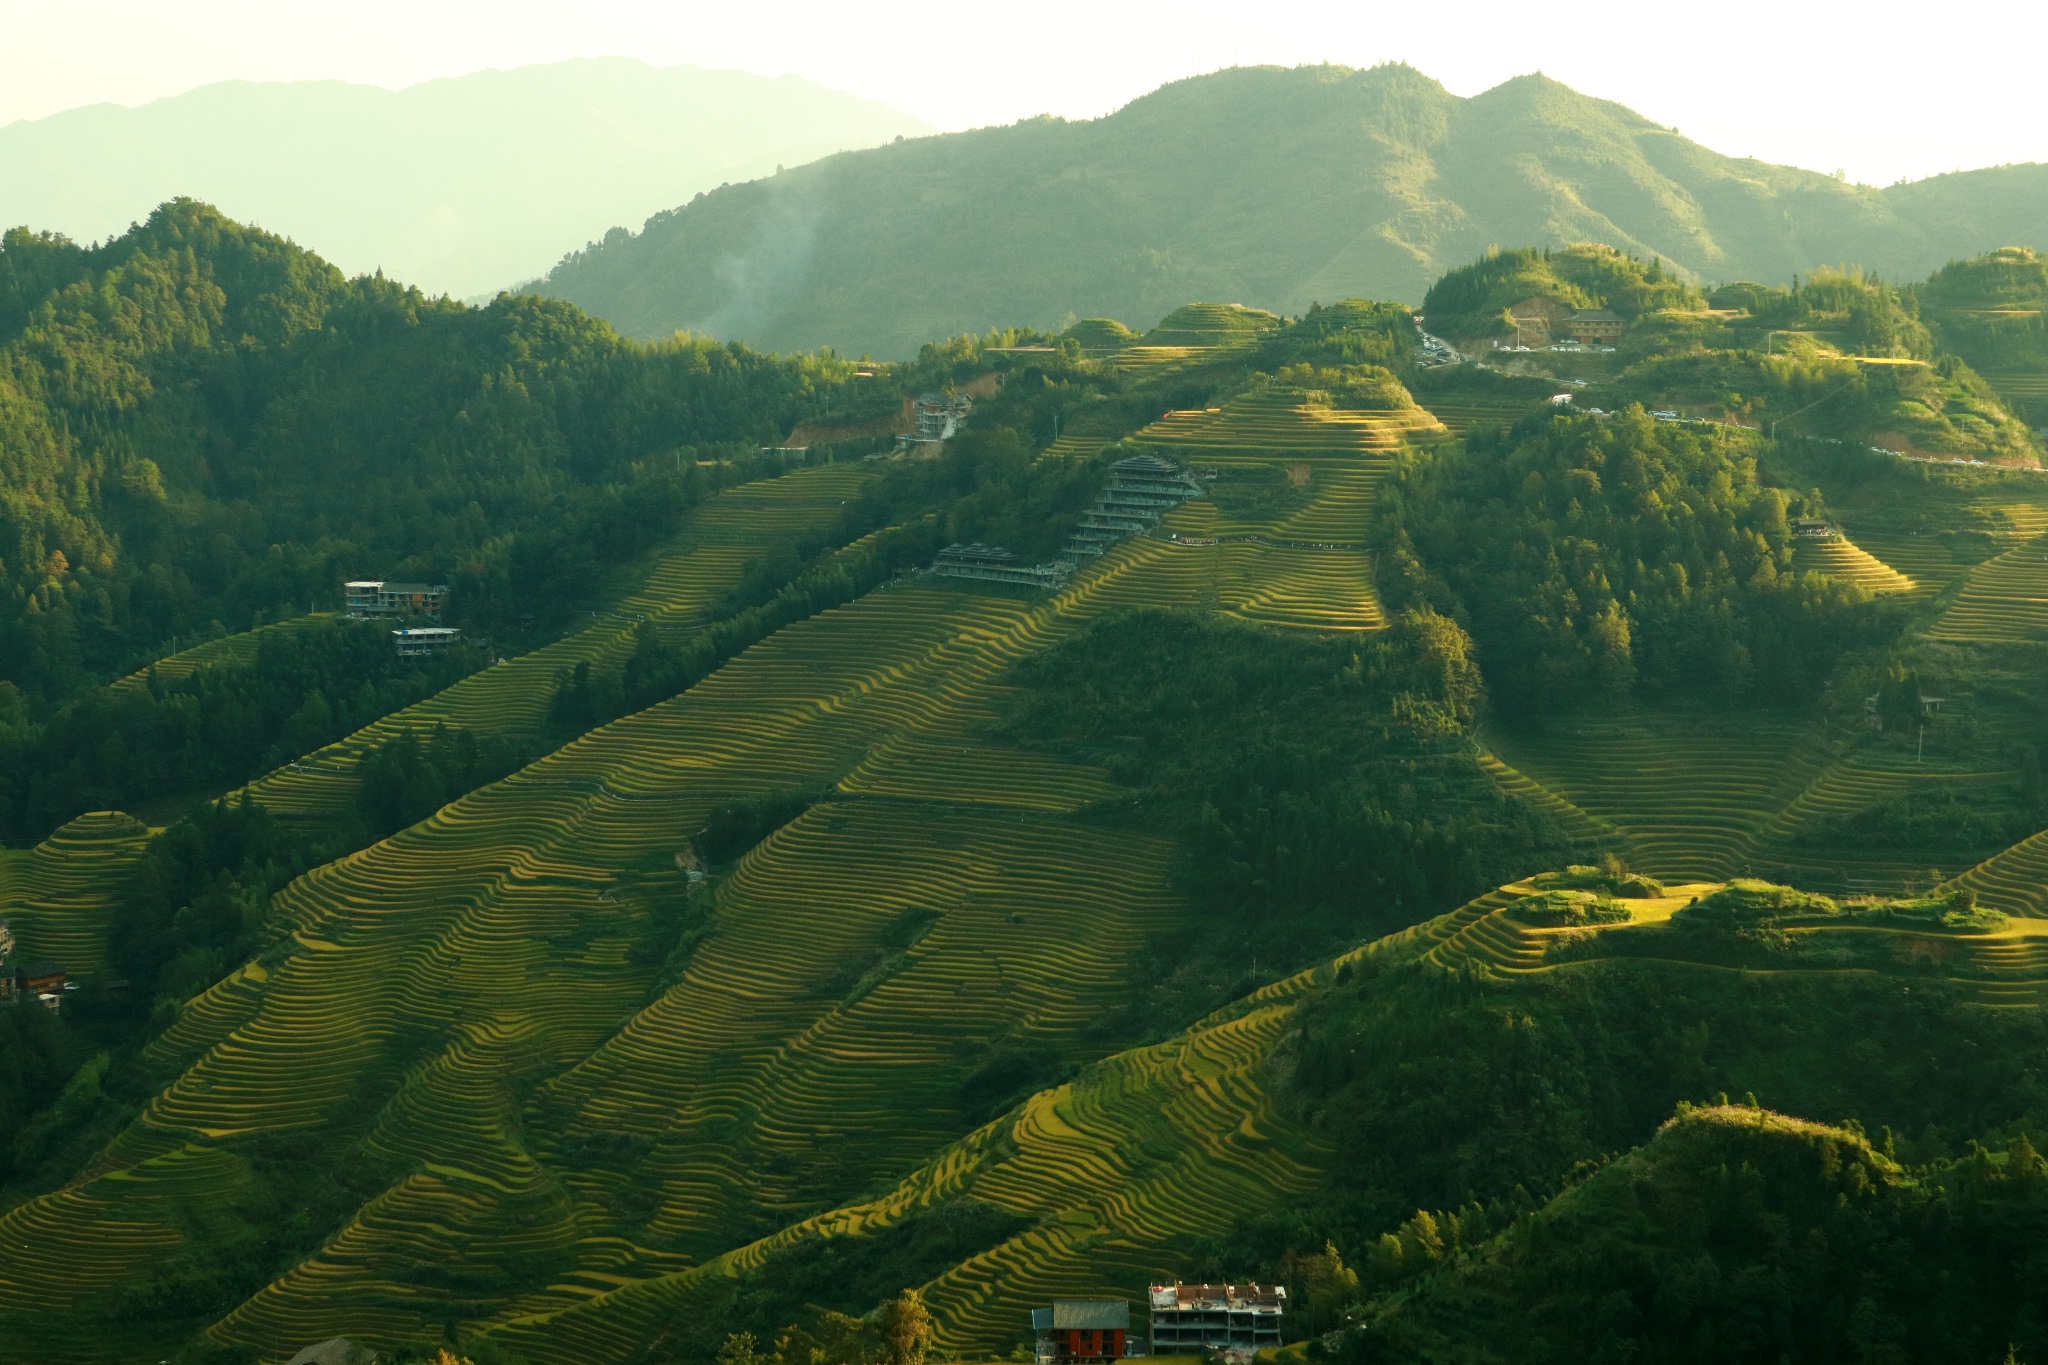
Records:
x=459, y=186
x=1313, y=183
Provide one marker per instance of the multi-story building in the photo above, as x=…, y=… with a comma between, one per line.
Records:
x=1590, y=326
x=936, y=416
x=1083, y=1330
x=994, y=564
x=417, y=640
x=1141, y=489
x=374, y=599
x=1234, y=1319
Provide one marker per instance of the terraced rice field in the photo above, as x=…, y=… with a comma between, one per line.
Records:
x=239, y=649
x=1588, y=830
x=705, y=563
x=1460, y=417
x=2019, y=386
x=1694, y=801
x=2006, y=598
x=1073, y=448
x=1863, y=778
x=1262, y=426
x=2007, y=968
x=1120, y=1170
x=2014, y=882
x=1303, y=568
x=1924, y=559
x=1840, y=557
x=60, y=895
x=489, y=947
x=1149, y=361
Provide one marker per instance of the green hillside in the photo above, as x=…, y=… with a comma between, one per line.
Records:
x=1836, y=1265
x=1311, y=183
x=1410, y=791
x=1478, y=1058
x=207, y=429
x=459, y=186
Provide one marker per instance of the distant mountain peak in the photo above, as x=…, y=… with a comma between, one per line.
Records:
x=1269, y=186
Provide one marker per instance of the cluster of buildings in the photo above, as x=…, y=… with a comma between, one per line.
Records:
x=1186, y=1319
x=40, y=981
x=377, y=599
x=1141, y=489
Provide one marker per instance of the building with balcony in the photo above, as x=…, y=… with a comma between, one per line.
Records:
x=412, y=642
x=1141, y=489
x=375, y=599
x=1232, y=1319
x=994, y=564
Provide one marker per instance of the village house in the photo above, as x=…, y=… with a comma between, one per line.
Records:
x=1075, y=1330
x=41, y=981
x=1141, y=489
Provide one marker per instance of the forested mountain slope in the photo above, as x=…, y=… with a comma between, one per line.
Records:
x=203, y=427
x=535, y=1061
x=1271, y=187
x=797, y=928
x=460, y=186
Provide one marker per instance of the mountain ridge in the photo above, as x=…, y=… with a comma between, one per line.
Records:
x=460, y=185
x=1273, y=187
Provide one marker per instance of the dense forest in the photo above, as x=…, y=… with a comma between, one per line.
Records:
x=206, y=424
x=1736, y=1234
x=1602, y=558
x=206, y=428
x=1324, y=790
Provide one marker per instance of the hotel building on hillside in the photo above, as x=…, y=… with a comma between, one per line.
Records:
x=374, y=599
x=1233, y=1319
x=414, y=641
x=994, y=564
x=1591, y=326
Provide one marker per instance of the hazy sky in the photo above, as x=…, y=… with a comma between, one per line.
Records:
x=1884, y=90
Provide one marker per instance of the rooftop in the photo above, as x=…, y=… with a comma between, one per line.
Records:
x=1083, y=1315
x=984, y=554
x=1270, y=1297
